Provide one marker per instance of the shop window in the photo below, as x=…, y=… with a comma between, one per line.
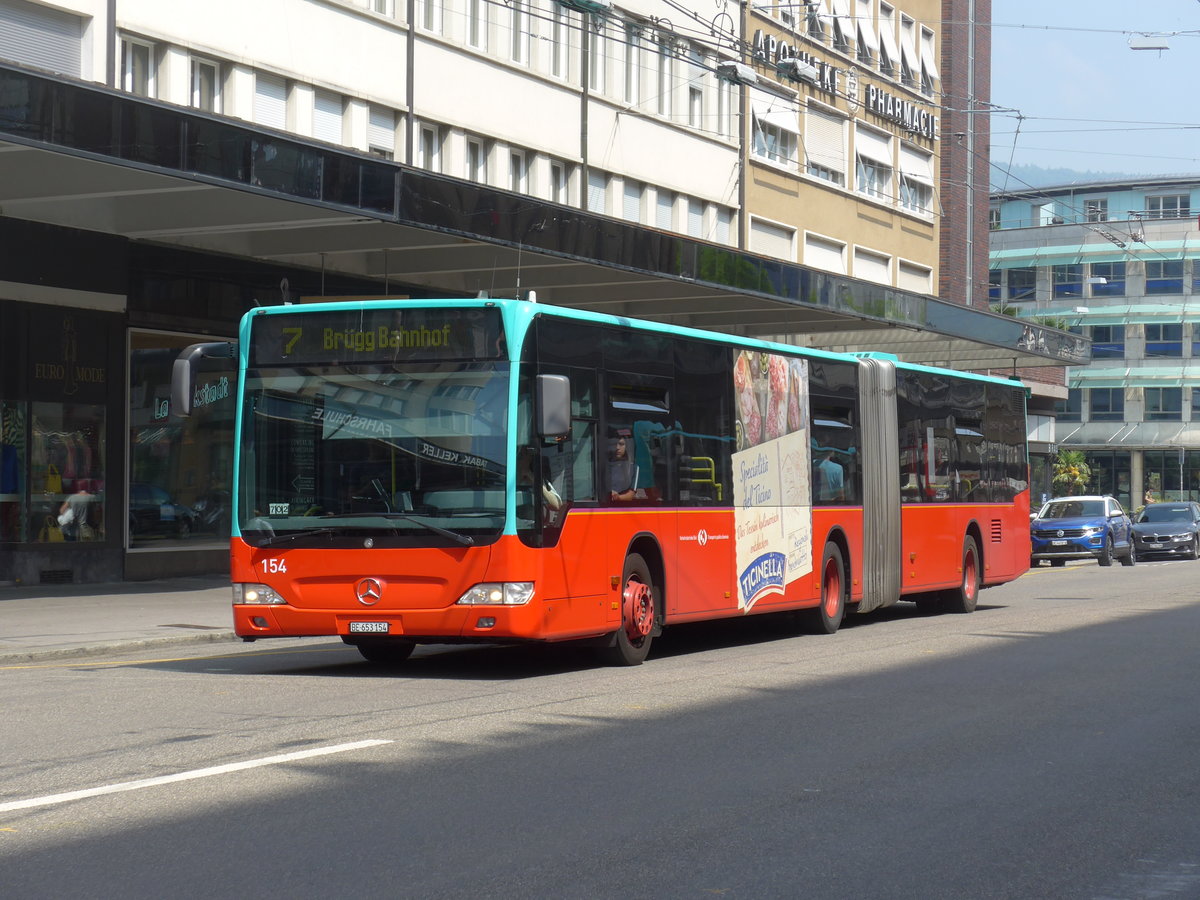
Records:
x=180, y=469
x=66, y=472
x=12, y=471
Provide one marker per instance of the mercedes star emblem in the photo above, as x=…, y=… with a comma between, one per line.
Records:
x=368, y=591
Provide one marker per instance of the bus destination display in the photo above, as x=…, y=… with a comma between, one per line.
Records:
x=366, y=336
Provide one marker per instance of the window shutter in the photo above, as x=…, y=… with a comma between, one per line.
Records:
x=632, y=209
x=327, y=117
x=772, y=240
x=597, y=189
x=270, y=101
x=872, y=267
x=825, y=140
x=381, y=129
x=664, y=211
x=822, y=254
x=42, y=37
x=913, y=278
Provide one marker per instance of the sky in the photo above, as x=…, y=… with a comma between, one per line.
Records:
x=1070, y=92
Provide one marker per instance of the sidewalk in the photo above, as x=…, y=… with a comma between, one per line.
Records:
x=59, y=621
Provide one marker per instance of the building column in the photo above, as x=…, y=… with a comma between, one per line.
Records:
x=1137, y=487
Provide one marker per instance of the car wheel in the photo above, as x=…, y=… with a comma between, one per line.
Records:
x=1194, y=552
x=1130, y=558
x=1106, y=555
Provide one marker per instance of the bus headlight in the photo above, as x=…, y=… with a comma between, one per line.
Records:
x=258, y=594
x=494, y=593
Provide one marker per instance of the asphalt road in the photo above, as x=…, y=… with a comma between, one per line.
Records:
x=1043, y=747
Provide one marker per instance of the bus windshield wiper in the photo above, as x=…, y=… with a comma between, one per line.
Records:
x=465, y=539
x=294, y=535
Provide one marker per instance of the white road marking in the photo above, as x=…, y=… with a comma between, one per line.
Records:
x=186, y=776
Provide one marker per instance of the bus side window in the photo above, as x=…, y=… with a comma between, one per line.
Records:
x=835, y=468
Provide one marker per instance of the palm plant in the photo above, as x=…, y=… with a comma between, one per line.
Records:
x=1071, y=472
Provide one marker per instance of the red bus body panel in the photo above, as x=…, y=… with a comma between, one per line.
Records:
x=577, y=581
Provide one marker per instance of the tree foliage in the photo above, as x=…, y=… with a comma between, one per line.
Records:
x=1071, y=472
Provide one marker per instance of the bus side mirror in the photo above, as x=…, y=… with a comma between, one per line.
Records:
x=554, y=404
x=183, y=372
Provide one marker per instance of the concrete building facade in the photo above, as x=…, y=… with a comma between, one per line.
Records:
x=1117, y=262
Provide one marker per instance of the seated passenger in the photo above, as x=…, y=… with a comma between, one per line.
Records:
x=622, y=473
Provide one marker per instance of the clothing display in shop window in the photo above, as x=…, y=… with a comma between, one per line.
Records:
x=10, y=470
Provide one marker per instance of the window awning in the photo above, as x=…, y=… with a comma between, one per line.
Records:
x=1130, y=314
x=778, y=114
x=866, y=33
x=918, y=166
x=1134, y=376
x=873, y=146
x=1149, y=435
x=1022, y=257
x=888, y=38
x=1088, y=253
x=842, y=18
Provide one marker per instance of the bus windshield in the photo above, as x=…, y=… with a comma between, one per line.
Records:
x=408, y=454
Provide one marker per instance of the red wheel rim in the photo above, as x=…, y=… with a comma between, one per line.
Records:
x=831, y=587
x=639, y=609
x=970, y=576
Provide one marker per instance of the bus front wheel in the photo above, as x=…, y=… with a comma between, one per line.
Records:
x=632, y=640
x=384, y=652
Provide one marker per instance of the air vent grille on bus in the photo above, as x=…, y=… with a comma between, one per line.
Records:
x=997, y=532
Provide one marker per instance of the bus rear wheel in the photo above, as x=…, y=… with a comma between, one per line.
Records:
x=827, y=617
x=964, y=598
x=632, y=640
x=385, y=651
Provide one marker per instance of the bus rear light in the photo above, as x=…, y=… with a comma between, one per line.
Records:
x=257, y=594
x=491, y=593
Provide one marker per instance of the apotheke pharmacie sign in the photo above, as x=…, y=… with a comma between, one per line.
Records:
x=912, y=117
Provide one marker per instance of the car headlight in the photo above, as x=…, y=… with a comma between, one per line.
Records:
x=495, y=593
x=256, y=594
x=1092, y=529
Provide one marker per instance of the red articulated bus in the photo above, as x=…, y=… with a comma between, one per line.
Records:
x=500, y=471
